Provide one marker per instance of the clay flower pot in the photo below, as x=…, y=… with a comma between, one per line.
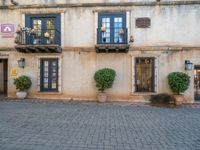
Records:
x=102, y=97
x=46, y=35
x=21, y=94
x=179, y=99
x=103, y=29
x=121, y=32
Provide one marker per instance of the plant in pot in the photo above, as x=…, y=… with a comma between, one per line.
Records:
x=178, y=83
x=104, y=79
x=22, y=83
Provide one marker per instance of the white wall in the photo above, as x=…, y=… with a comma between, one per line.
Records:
x=170, y=25
x=76, y=1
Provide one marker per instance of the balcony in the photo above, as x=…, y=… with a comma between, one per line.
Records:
x=112, y=40
x=38, y=41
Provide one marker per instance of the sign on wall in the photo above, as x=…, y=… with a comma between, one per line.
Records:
x=13, y=72
x=4, y=54
x=7, y=30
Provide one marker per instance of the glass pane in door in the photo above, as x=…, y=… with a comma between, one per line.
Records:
x=37, y=28
x=50, y=30
x=118, y=30
x=106, y=31
x=54, y=75
x=45, y=74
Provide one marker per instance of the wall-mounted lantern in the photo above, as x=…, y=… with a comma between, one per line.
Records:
x=21, y=62
x=188, y=65
x=131, y=39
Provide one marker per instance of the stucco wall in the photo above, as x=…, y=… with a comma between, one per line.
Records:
x=176, y=25
x=31, y=2
x=9, y=17
x=78, y=68
x=170, y=25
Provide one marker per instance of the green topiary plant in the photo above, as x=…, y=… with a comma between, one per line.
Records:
x=22, y=83
x=178, y=82
x=104, y=78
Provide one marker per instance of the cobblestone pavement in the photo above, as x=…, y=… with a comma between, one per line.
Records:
x=26, y=125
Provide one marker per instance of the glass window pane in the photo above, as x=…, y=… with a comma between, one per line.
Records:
x=106, y=34
x=50, y=29
x=118, y=27
x=37, y=26
x=46, y=85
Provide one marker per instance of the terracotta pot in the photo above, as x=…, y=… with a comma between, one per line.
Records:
x=21, y=94
x=101, y=97
x=178, y=99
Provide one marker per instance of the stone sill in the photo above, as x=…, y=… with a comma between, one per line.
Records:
x=49, y=93
x=143, y=93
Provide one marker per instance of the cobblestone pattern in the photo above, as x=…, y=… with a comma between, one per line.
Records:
x=90, y=126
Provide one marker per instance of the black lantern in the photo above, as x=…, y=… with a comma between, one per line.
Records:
x=188, y=65
x=21, y=62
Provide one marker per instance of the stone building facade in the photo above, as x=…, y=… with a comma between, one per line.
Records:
x=143, y=40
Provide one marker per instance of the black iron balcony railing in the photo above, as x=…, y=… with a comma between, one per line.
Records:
x=112, y=35
x=40, y=37
x=38, y=41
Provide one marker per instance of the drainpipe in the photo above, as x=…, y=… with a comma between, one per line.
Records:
x=14, y=2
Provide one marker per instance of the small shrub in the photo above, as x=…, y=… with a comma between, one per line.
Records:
x=178, y=82
x=162, y=98
x=22, y=83
x=104, y=78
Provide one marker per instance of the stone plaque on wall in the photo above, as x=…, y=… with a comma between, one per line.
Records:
x=143, y=22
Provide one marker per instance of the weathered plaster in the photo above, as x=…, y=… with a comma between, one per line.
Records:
x=172, y=38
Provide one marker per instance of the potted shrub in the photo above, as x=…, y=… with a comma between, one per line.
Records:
x=22, y=83
x=178, y=83
x=104, y=79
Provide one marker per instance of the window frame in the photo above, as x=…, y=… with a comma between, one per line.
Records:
x=111, y=15
x=42, y=89
x=29, y=22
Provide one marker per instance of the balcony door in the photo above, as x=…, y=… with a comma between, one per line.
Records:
x=112, y=28
x=45, y=29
